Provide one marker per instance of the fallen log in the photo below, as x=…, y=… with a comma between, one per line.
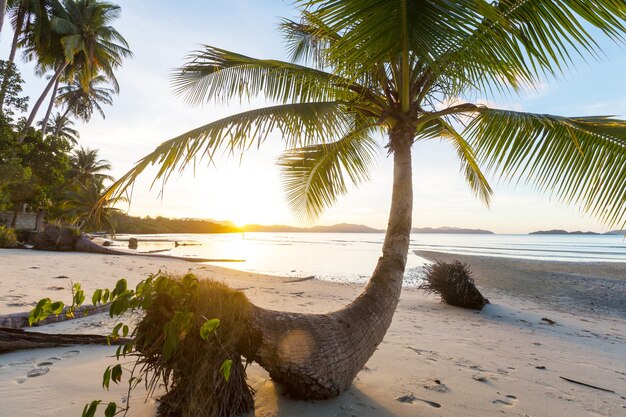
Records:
x=14, y=339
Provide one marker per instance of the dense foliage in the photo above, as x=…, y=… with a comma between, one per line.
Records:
x=123, y=223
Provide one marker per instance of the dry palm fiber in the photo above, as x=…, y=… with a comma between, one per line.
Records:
x=191, y=367
x=454, y=283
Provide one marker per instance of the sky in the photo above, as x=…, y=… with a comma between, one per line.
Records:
x=146, y=112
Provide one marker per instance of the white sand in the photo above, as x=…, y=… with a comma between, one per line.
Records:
x=486, y=363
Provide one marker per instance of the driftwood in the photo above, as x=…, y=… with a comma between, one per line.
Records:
x=15, y=339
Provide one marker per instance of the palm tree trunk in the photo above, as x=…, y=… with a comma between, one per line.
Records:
x=44, y=125
x=39, y=102
x=19, y=24
x=317, y=356
x=3, y=8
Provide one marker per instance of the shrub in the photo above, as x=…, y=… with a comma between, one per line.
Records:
x=454, y=283
x=8, y=238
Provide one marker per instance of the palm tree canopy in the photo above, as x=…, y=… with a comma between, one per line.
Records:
x=382, y=66
x=87, y=38
x=86, y=167
x=81, y=101
x=61, y=126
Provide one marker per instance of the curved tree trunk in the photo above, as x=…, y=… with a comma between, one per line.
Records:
x=317, y=356
x=39, y=102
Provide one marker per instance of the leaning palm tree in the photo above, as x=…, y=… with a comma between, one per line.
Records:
x=391, y=67
x=29, y=18
x=61, y=126
x=86, y=44
x=86, y=167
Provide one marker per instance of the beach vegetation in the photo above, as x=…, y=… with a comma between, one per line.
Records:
x=368, y=76
x=454, y=283
x=192, y=346
x=8, y=237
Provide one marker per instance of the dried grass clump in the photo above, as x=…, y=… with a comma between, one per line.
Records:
x=196, y=385
x=453, y=282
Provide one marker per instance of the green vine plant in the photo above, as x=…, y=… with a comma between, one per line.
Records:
x=171, y=317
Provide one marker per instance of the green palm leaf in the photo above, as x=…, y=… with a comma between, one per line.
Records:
x=222, y=75
x=315, y=176
x=300, y=124
x=579, y=159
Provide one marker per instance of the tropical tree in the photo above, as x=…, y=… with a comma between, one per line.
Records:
x=61, y=126
x=29, y=18
x=79, y=200
x=81, y=102
x=86, y=167
x=391, y=67
x=86, y=44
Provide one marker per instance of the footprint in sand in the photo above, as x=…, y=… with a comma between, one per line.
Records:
x=35, y=372
x=508, y=401
x=70, y=354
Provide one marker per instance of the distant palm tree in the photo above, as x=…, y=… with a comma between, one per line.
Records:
x=85, y=44
x=86, y=167
x=403, y=69
x=61, y=126
x=81, y=102
x=77, y=204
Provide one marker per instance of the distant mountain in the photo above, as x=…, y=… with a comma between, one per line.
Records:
x=451, y=230
x=561, y=232
x=616, y=232
x=337, y=228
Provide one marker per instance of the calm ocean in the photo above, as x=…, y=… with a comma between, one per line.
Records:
x=351, y=257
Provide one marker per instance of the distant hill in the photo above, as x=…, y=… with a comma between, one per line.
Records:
x=124, y=223
x=451, y=230
x=562, y=232
x=616, y=232
x=337, y=228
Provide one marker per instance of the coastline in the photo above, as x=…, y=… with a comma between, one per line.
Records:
x=488, y=363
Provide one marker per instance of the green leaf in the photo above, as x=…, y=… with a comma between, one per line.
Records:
x=110, y=410
x=90, y=409
x=208, y=327
x=116, y=374
x=57, y=307
x=120, y=287
x=106, y=378
x=96, y=298
x=226, y=368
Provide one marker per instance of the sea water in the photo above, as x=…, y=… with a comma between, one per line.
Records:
x=351, y=257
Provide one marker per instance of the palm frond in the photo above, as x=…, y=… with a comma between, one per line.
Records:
x=300, y=124
x=578, y=159
x=315, y=176
x=308, y=40
x=469, y=166
x=221, y=75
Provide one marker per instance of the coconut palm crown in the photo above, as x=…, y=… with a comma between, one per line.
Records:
x=365, y=67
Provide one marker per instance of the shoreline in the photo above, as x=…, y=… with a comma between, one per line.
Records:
x=503, y=360
x=586, y=287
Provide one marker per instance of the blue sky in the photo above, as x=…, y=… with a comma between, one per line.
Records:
x=146, y=113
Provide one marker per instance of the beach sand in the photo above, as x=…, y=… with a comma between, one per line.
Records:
x=444, y=361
